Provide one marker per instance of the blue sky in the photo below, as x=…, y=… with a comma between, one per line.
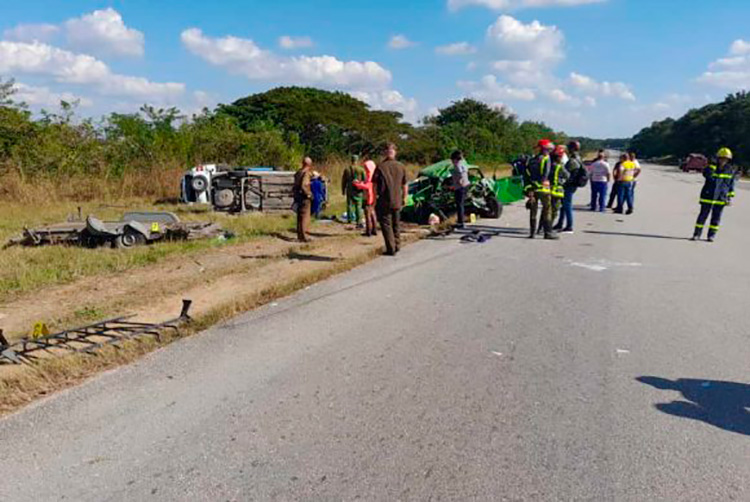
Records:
x=591, y=67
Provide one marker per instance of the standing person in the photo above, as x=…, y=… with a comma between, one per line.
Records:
x=601, y=175
x=717, y=193
x=351, y=175
x=578, y=177
x=538, y=189
x=559, y=178
x=615, y=194
x=634, y=159
x=368, y=190
x=319, y=193
x=460, y=178
x=303, y=199
x=626, y=174
x=391, y=190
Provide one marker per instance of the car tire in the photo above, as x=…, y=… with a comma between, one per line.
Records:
x=129, y=239
x=494, y=208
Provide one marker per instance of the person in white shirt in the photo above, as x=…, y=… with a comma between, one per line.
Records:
x=601, y=174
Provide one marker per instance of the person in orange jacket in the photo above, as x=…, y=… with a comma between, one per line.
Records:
x=368, y=189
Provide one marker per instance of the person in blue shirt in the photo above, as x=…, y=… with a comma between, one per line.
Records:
x=319, y=194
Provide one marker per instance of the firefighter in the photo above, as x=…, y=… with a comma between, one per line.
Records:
x=538, y=189
x=559, y=178
x=717, y=193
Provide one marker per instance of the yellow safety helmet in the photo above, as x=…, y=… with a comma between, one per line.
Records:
x=725, y=153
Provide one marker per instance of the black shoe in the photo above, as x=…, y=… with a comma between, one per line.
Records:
x=557, y=228
x=710, y=238
x=630, y=211
x=552, y=237
x=532, y=236
x=618, y=211
x=568, y=231
x=695, y=238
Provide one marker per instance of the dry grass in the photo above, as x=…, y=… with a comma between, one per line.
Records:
x=27, y=269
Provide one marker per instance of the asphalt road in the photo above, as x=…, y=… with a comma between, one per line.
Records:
x=611, y=365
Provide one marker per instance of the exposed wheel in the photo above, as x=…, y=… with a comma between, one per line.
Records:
x=130, y=238
x=199, y=184
x=494, y=208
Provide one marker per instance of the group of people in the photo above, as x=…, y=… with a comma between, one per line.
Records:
x=377, y=193
x=555, y=173
x=374, y=193
x=624, y=177
x=551, y=179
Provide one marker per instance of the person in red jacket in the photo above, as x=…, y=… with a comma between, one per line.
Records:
x=368, y=189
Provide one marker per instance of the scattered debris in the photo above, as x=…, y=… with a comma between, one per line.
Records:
x=623, y=351
x=86, y=339
x=135, y=228
x=498, y=354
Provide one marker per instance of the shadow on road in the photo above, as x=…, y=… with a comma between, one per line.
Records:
x=721, y=404
x=629, y=234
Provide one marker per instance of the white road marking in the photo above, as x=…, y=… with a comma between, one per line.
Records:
x=602, y=265
x=498, y=354
x=623, y=351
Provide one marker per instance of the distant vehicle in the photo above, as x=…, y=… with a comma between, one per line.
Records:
x=694, y=162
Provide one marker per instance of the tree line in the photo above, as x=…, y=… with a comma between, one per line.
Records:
x=702, y=130
x=274, y=128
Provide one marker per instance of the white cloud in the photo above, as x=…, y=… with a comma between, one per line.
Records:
x=740, y=48
x=489, y=90
x=560, y=96
x=242, y=56
x=733, y=72
x=457, y=49
x=390, y=100
x=38, y=59
x=289, y=43
x=400, y=42
x=525, y=73
x=504, y=5
x=31, y=32
x=43, y=96
x=104, y=32
x=512, y=40
x=606, y=89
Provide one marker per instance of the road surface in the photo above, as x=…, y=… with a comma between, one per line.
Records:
x=611, y=365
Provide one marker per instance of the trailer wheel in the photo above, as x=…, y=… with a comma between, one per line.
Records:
x=130, y=238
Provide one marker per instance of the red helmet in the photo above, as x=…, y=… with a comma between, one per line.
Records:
x=545, y=144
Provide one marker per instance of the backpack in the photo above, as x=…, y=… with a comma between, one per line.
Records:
x=581, y=177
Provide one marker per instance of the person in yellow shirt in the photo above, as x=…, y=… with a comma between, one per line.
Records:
x=627, y=173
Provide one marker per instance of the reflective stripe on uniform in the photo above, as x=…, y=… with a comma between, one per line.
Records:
x=698, y=225
x=724, y=176
x=714, y=227
x=713, y=202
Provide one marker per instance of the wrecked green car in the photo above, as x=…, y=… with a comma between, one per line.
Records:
x=431, y=193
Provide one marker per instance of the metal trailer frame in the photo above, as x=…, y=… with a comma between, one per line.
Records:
x=88, y=339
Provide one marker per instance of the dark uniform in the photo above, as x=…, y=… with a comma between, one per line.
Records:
x=303, y=201
x=717, y=192
x=539, y=171
x=389, y=180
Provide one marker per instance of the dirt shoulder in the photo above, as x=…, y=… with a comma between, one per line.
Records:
x=220, y=282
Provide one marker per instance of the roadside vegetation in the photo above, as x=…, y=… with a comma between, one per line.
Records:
x=703, y=130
